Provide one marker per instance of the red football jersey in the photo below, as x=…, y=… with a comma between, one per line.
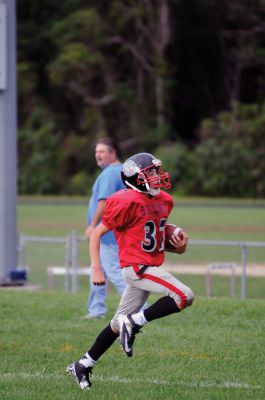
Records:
x=138, y=222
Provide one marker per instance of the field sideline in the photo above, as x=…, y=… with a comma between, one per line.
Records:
x=213, y=350
x=234, y=221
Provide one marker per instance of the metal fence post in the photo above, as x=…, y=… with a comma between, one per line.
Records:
x=233, y=281
x=208, y=282
x=68, y=262
x=244, y=272
x=21, y=251
x=74, y=262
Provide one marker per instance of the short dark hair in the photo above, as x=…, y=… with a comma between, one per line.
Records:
x=110, y=143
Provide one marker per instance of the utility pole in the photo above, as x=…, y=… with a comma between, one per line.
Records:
x=8, y=138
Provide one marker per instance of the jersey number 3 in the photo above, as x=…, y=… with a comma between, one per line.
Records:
x=149, y=243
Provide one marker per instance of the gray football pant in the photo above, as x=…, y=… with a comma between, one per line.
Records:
x=153, y=280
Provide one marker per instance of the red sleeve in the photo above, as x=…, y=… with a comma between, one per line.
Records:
x=116, y=213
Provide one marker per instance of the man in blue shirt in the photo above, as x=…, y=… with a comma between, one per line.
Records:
x=108, y=182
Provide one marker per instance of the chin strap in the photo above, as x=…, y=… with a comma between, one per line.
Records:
x=151, y=192
x=133, y=187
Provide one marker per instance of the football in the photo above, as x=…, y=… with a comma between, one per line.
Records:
x=169, y=231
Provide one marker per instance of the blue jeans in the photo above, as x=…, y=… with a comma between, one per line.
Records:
x=111, y=267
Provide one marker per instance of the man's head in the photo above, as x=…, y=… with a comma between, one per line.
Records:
x=143, y=173
x=105, y=152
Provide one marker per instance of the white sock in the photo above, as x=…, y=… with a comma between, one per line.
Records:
x=139, y=318
x=87, y=361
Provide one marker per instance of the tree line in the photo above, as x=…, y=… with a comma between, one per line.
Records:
x=184, y=80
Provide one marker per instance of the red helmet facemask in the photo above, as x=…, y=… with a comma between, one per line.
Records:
x=160, y=180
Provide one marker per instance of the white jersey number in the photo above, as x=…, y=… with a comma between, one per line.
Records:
x=149, y=243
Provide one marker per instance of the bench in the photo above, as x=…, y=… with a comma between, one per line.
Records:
x=230, y=267
x=56, y=270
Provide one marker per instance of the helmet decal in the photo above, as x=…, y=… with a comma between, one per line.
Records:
x=156, y=162
x=130, y=168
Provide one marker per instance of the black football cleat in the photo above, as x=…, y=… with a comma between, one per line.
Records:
x=81, y=375
x=128, y=330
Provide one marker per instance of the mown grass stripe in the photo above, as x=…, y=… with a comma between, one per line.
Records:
x=203, y=384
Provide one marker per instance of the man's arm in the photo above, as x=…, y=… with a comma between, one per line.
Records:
x=96, y=219
x=98, y=277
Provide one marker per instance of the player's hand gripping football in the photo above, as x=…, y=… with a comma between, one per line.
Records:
x=176, y=239
x=180, y=240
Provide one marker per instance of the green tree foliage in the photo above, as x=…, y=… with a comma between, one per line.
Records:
x=145, y=73
x=234, y=144
x=229, y=161
x=39, y=159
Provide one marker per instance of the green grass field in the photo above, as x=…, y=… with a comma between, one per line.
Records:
x=213, y=350
x=239, y=222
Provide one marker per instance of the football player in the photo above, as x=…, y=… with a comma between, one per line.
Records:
x=138, y=216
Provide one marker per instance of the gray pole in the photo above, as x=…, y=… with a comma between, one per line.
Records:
x=244, y=272
x=8, y=138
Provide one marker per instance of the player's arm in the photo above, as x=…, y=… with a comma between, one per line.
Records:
x=94, y=246
x=96, y=219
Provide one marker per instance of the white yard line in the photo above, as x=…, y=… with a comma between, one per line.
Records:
x=200, y=384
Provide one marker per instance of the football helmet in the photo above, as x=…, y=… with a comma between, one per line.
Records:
x=143, y=173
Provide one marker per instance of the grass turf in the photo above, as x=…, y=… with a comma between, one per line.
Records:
x=213, y=350
x=236, y=223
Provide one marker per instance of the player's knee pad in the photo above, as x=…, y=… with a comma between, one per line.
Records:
x=185, y=299
x=190, y=297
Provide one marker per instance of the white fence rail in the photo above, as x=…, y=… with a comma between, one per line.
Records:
x=66, y=241
x=244, y=250
x=217, y=267
x=71, y=254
